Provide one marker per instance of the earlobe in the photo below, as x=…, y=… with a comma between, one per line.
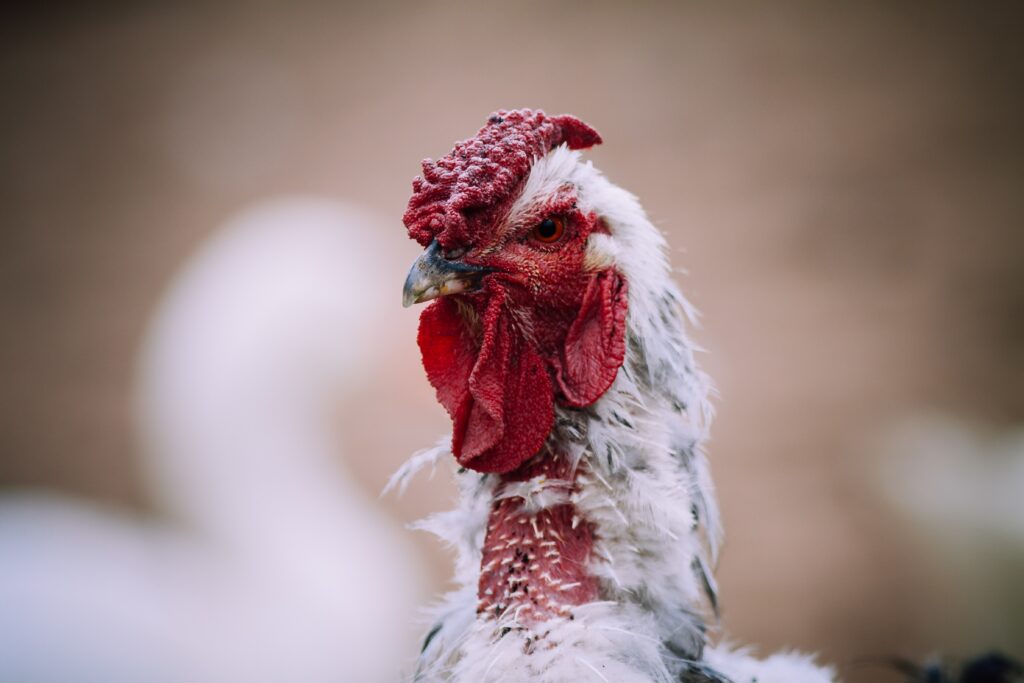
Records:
x=595, y=345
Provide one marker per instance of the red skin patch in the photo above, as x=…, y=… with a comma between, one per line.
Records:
x=534, y=566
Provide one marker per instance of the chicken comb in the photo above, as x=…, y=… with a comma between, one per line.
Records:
x=485, y=170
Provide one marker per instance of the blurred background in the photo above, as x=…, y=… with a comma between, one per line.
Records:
x=842, y=186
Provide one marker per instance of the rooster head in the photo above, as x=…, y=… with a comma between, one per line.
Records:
x=524, y=311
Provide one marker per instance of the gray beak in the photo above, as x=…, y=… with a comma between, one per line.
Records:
x=432, y=276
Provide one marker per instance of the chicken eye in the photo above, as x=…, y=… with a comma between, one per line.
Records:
x=549, y=230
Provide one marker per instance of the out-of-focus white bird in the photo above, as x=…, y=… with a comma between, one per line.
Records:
x=271, y=565
x=962, y=487
x=958, y=478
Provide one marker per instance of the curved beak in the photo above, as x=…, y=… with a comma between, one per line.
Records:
x=432, y=276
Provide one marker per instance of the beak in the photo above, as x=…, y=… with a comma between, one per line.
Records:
x=432, y=276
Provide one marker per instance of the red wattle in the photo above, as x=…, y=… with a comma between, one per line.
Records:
x=497, y=390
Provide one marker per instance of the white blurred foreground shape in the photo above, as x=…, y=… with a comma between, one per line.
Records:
x=269, y=564
x=960, y=485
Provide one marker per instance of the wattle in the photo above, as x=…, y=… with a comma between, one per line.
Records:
x=498, y=387
x=494, y=384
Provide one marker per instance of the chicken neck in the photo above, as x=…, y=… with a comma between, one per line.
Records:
x=535, y=558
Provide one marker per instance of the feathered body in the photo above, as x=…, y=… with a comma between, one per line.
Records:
x=587, y=555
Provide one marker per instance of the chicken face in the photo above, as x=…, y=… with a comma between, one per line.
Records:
x=522, y=318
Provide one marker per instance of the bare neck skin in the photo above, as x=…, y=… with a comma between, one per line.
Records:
x=534, y=561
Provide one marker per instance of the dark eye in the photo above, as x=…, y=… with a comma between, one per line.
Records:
x=549, y=230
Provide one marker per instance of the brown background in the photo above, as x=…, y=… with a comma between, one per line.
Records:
x=843, y=185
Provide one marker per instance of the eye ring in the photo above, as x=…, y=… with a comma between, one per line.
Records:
x=549, y=231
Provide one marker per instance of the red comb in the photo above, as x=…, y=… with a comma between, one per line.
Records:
x=484, y=170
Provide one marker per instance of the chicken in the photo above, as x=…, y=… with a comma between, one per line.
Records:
x=587, y=530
